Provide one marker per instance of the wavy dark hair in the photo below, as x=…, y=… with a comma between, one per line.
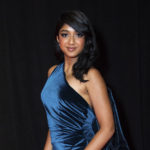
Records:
x=81, y=24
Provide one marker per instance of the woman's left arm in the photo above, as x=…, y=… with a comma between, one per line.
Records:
x=98, y=94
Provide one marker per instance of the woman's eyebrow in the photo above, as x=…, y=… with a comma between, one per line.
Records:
x=63, y=30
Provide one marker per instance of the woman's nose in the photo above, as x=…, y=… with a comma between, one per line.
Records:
x=71, y=39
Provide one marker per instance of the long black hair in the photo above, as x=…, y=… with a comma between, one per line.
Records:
x=81, y=24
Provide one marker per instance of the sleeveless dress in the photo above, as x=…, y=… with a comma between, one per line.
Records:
x=71, y=120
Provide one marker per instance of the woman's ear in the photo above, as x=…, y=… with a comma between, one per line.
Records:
x=57, y=39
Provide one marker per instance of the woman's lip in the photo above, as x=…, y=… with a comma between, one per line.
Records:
x=71, y=48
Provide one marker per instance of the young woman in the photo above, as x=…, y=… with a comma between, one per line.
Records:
x=81, y=111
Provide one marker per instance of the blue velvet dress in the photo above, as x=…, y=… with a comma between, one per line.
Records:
x=71, y=120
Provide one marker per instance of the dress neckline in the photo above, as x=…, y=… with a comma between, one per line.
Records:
x=64, y=74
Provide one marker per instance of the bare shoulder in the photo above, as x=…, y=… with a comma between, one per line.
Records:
x=96, y=87
x=94, y=74
x=95, y=77
x=51, y=69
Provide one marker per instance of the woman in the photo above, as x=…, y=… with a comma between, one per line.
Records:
x=80, y=109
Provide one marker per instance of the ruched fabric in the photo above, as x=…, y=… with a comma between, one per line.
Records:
x=71, y=120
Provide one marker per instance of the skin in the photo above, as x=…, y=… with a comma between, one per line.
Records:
x=94, y=91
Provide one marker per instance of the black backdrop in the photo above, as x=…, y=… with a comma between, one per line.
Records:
x=27, y=51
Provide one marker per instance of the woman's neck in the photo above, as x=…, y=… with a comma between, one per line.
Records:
x=68, y=64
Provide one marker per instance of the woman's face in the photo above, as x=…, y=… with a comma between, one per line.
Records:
x=71, y=42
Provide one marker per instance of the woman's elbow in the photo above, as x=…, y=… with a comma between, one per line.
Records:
x=111, y=130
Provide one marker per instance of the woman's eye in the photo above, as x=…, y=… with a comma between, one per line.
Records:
x=79, y=34
x=64, y=34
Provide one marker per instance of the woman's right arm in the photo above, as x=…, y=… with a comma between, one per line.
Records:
x=48, y=145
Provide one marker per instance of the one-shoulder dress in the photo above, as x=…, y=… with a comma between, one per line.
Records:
x=71, y=120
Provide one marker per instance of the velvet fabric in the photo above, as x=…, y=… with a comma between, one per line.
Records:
x=71, y=120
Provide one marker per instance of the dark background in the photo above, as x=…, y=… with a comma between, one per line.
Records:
x=27, y=51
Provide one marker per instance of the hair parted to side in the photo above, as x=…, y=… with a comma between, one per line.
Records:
x=81, y=24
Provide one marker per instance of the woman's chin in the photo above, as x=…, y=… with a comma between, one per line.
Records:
x=71, y=56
